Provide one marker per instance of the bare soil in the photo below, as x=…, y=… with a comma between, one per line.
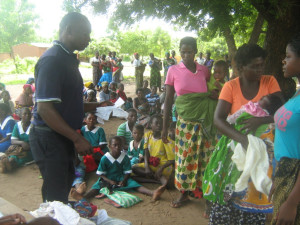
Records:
x=22, y=188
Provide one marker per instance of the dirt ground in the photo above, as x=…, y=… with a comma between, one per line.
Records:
x=22, y=188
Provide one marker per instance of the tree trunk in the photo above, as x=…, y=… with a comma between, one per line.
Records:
x=229, y=40
x=280, y=30
x=256, y=29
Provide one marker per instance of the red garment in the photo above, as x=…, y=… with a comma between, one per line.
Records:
x=154, y=161
x=113, y=100
x=90, y=162
x=122, y=95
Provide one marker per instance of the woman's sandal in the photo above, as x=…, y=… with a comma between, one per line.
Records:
x=111, y=202
x=178, y=204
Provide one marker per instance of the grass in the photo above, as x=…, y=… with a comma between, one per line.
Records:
x=15, y=82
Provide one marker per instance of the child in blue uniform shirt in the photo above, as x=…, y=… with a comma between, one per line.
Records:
x=136, y=146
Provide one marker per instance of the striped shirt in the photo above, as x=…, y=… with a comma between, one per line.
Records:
x=124, y=131
x=152, y=99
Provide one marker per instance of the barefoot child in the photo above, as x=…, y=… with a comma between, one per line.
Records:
x=136, y=146
x=114, y=170
x=159, y=156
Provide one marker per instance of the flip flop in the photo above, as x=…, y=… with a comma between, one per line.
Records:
x=111, y=202
x=100, y=196
x=178, y=204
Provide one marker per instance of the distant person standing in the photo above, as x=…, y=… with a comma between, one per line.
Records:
x=173, y=53
x=59, y=109
x=200, y=59
x=167, y=63
x=97, y=72
x=139, y=70
x=156, y=66
x=209, y=62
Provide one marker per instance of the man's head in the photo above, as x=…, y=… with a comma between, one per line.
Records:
x=74, y=31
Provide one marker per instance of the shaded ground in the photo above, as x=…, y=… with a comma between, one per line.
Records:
x=22, y=188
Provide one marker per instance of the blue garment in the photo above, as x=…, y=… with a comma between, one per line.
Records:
x=6, y=129
x=58, y=80
x=95, y=137
x=107, y=76
x=135, y=154
x=152, y=99
x=287, y=132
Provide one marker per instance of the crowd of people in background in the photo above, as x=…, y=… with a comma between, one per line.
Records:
x=185, y=133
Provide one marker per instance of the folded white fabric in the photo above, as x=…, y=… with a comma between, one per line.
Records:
x=254, y=163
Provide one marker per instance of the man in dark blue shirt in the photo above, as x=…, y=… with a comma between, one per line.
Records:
x=59, y=109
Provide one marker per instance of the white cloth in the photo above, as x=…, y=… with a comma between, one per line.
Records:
x=254, y=163
x=136, y=63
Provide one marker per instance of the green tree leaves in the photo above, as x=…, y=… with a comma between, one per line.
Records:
x=17, y=23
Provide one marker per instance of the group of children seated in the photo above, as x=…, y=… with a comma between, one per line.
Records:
x=127, y=158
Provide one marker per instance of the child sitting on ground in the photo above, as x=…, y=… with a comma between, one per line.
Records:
x=113, y=86
x=145, y=88
x=125, y=129
x=5, y=98
x=96, y=137
x=114, y=170
x=91, y=96
x=113, y=97
x=136, y=146
x=153, y=100
x=89, y=87
x=121, y=92
x=217, y=81
x=19, y=152
x=159, y=156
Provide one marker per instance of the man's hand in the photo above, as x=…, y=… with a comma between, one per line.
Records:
x=82, y=146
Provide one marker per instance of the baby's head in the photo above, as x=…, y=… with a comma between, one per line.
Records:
x=115, y=145
x=138, y=132
x=90, y=119
x=113, y=95
x=156, y=123
x=221, y=71
x=271, y=103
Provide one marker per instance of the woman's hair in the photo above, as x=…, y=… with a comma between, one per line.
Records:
x=189, y=41
x=117, y=138
x=5, y=92
x=120, y=85
x=5, y=108
x=90, y=113
x=155, y=116
x=275, y=104
x=139, y=127
x=222, y=63
x=246, y=53
x=294, y=43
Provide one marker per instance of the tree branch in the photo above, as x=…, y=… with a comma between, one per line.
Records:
x=257, y=29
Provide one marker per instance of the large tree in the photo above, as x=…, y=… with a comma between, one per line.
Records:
x=231, y=18
x=17, y=23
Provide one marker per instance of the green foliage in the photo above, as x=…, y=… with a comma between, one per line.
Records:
x=74, y=5
x=17, y=23
x=216, y=46
x=18, y=66
x=103, y=45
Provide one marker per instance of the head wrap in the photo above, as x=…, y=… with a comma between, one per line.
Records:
x=3, y=85
x=26, y=86
x=87, y=84
x=104, y=83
